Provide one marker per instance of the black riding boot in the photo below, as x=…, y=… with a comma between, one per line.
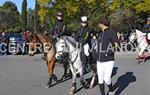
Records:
x=102, y=89
x=110, y=87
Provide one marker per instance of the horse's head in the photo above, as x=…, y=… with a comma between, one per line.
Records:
x=61, y=47
x=133, y=37
x=33, y=40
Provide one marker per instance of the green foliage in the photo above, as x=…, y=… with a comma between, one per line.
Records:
x=9, y=18
x=124, y=14
x=24, y=15
x=73, y=10
x=123, y=19
x=30, y=19
x=126, y=4
x=143, y=6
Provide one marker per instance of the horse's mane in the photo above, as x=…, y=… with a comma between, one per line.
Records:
x=71, y=40
x=33, y=36
x=140, y=32
x=43, y=38
x=40, y=37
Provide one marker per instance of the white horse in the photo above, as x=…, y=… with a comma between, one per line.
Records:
x=141, y=41
x=67, y=44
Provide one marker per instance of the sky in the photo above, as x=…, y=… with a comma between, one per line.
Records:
x=18, y=3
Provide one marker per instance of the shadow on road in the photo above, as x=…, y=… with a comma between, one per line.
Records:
x=60, y=81
x=123, y=82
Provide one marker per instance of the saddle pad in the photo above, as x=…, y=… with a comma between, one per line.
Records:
x=148, y=36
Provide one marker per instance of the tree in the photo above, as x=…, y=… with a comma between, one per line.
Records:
x=73, y=10
x=143, y=6
x=24, y=15
x=123, y=19
x=9, y=18
x=36, y=17
x=127, y=14
x=30, y=19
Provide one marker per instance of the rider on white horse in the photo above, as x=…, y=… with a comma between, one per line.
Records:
x=83, y=37
x=147, y=29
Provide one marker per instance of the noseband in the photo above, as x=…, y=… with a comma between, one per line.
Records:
x=68, y=52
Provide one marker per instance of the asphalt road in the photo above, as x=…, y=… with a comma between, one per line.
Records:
x=24, y=75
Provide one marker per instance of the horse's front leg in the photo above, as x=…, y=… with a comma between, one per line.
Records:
x=145, y=56
x=82, y=78
x=141, y=55
x=50, y=65
x=73, y=88
x=65, y=71
x=48, y=84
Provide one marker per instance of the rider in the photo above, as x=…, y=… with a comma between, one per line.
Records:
x=60, y=26
x=147, y=28
x=83, y=37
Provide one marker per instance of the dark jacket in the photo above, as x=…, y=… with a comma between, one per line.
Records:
x=107, y=38
x=83, y=35
x=59, y=28
x=147, y=28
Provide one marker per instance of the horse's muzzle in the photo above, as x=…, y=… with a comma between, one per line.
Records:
x=57, y=56
x=31, y=53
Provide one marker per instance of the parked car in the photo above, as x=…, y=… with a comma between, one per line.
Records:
x=15, y=43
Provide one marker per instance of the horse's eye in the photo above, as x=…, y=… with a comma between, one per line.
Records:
x=62, y=46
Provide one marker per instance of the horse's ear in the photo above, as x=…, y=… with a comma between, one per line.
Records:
x=30, y=33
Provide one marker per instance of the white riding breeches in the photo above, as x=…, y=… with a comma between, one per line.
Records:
x=86, y=48
x=104, y=71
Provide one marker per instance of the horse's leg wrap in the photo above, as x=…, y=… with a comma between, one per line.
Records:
x=144, y=60
x=72, y=90
x=65, y=71
x=54, y=77
x=73, y=87
x=82, y=83
x=48, y=85
x=82, y=79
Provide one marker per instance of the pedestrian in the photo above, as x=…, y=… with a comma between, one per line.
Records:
x=105, y=58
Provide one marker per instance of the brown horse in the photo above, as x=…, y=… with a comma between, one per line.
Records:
x=49, y=52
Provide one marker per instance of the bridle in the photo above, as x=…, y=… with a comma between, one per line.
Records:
x=136, y=38
x=68, y=52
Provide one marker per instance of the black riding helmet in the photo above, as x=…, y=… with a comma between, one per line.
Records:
x=60, y=14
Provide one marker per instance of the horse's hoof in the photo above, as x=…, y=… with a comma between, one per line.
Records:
x=47, y=86
x=139, y=62
x=144, y=60
x=55, y=78
x=72, y=91
x=83, y=83
x=90, y=87
x=63, y=78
